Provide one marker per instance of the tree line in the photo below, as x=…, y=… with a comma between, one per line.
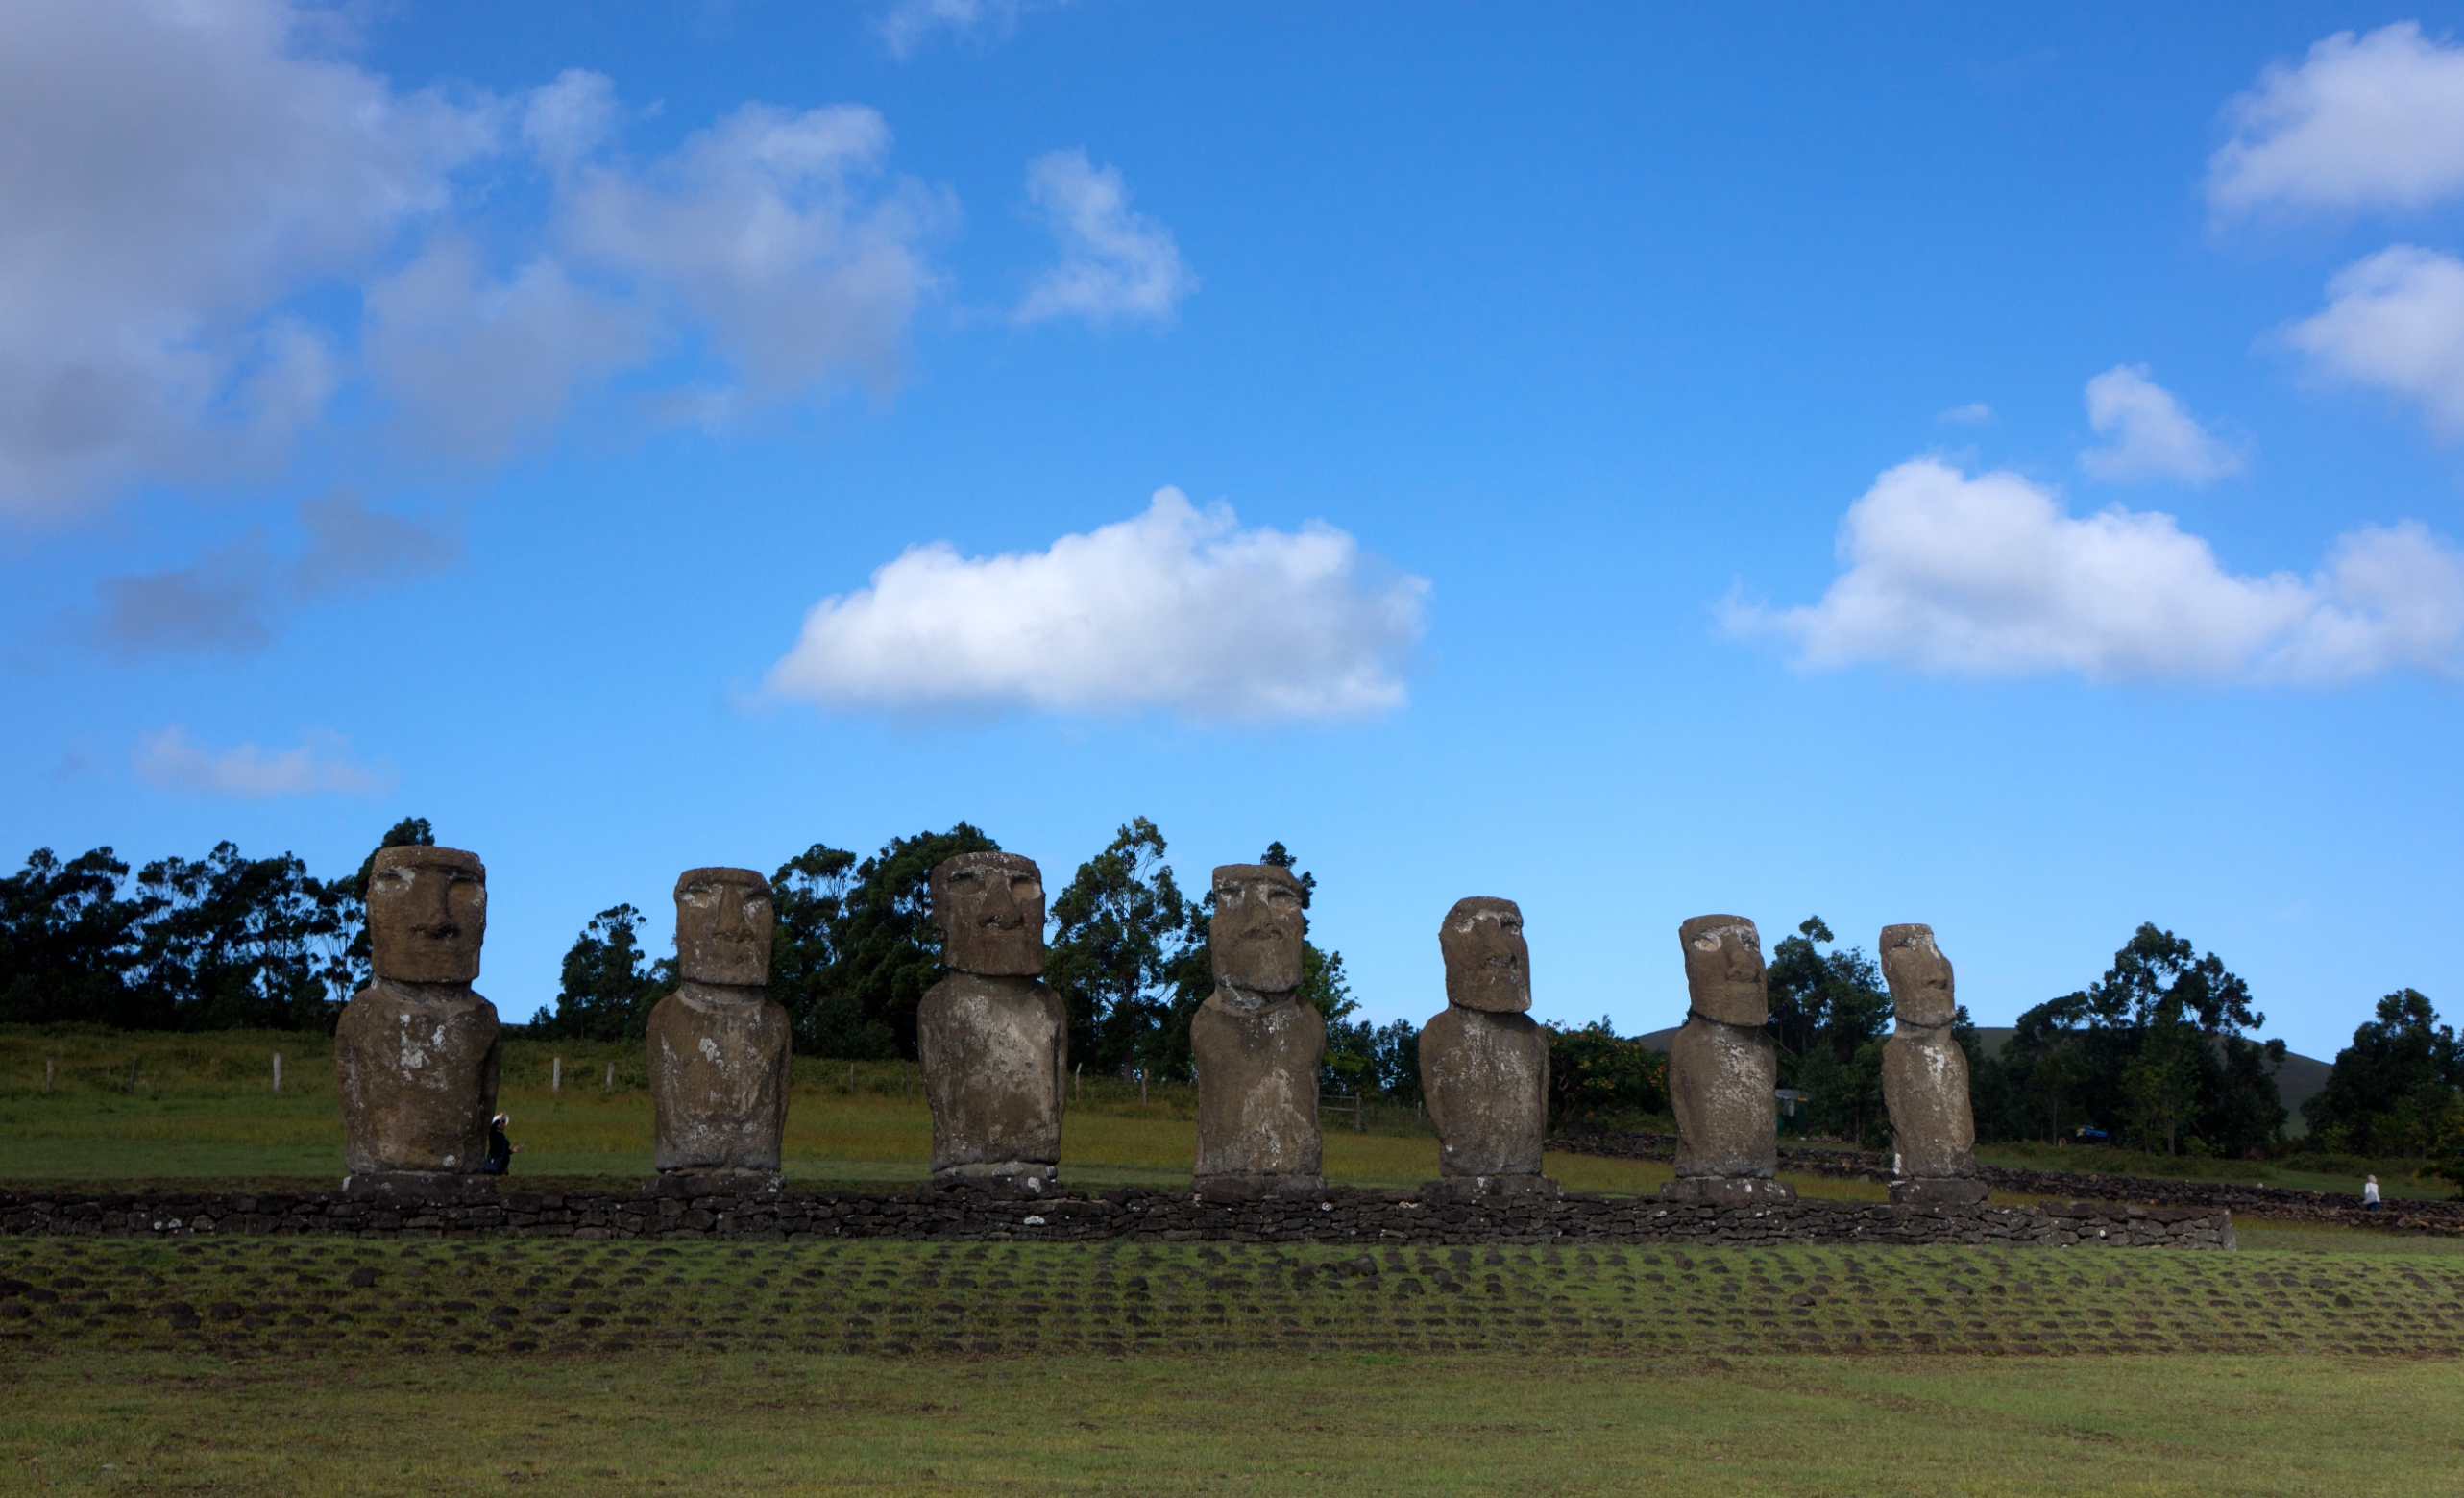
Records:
x=2159, y=1053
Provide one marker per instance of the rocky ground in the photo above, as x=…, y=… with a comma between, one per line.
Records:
x=260, y=1298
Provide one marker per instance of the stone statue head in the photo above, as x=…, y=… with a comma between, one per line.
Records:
x=724, y=928
x=1488, y=965
x=427, y=911
x=1257, y=928
x=991, y=911
x=1724, y=969
x=1920, y=976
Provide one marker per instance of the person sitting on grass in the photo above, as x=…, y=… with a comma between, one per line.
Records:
x=501, y=1149
x=2370, y=1194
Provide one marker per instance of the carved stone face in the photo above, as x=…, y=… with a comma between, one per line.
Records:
x=1488, y=967
x=1724, y=969
x=1919, y=976
x=427, y=911
x=990, y=909
x=1257, y=928
x=723, y=926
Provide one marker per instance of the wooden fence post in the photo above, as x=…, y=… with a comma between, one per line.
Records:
x=132, y=1066
x=555, y=1073
x=49, y=1062
x=278, y=1072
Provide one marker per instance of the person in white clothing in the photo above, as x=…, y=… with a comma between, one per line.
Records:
x=2370, y=1194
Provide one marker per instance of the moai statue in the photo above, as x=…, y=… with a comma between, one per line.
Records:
x=994, y=1042
x=718, y=1045
x=416, y=1054
x=1257, y=1042
x=1722, y=1068
x=1484, y=1064
x=1924, y=1076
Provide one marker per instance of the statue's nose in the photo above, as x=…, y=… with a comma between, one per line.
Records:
x=731, y=913
x=1001, y=907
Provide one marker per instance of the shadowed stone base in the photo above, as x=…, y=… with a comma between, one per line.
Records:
x=1031, y=1175
x=1487, y=1188
x=1937, y=1192
x=714, y=1182
x=1250, y=1187
x=419, y=1185
x=1727, y=1189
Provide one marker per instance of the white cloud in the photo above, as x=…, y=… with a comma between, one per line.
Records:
x=477, y=363
x=1990, y=575
x=177, y=171
x=2396, y=321
x=170, y=759
x=1114, y=262
x=1177, y=610
x=2153, y=436
x=2375, y=121
x=1974, y=413
x=764, y=230
x=205, y=184
x=908, y=24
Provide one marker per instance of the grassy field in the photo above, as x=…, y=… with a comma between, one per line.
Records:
x=908, y=1367
x=200, y=1109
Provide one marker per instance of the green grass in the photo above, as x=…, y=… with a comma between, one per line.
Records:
x=915, y=1367
x=2397, y=1178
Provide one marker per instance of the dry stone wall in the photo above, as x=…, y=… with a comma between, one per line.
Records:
x=971, y=1213
x=2281, y=1203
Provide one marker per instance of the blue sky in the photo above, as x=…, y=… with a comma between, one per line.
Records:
x=1998, y=471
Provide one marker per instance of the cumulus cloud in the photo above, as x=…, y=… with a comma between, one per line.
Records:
x=205, y=185
x=907, y=25
x=234, y=599
x=766, y=231
x=181, y=171
x=1177, y=610
x=477, y=363
x=2372, y=121
x=1990, y=575
x=2396, y=321
x=2152, y=436
x=1114, y=262
x=322, y=765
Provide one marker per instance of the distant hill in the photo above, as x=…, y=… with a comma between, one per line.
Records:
x=2300, y=1079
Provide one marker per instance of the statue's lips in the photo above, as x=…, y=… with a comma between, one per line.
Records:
x=437, y=933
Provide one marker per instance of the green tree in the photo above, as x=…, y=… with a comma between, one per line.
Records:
x=1597, y=1075
x=1832, y=1000
x=607, y=985
x=229, y=942
x=67, y=940
x=809, y=897
x=887, y=950
x=2156, y=1049
x=2391, y=1089
x=1117, y=935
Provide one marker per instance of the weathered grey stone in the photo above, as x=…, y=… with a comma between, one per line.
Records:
x=1484, y=1188
x=1919, y=974
x=1255, y=1043
x=1259, y=923
x=1488, y=963
x=990, y=909
x=1724, y=979
x=1257, y=1089
x=995, y=1054
x=1721, y=1078
x=718, y=1045
x=994, y=1041
x=1937, y=1192
x=1722, y=1068
x=416, y=1053
x=1486, y=1079
x=1924, y=1073
x=418, y=1185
